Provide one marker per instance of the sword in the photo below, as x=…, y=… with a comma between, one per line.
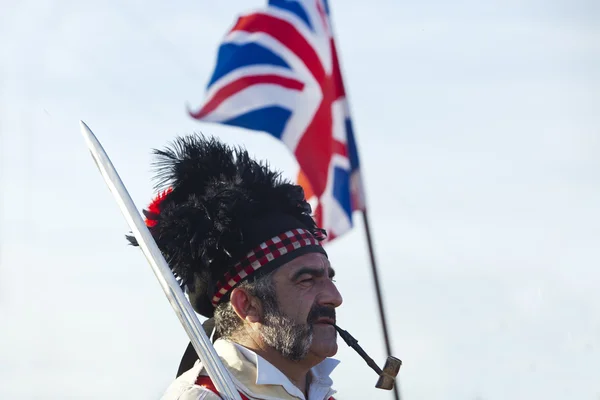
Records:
x=186, y=314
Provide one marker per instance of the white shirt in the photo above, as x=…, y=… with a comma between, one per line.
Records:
x=254, y=376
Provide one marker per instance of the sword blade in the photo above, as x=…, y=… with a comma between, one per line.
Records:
x=186, y=314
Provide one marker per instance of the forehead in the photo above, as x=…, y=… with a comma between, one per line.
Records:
x=310, y=260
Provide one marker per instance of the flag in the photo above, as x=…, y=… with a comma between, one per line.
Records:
x=277, y=71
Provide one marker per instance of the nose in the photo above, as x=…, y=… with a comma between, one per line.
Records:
x=331, y=295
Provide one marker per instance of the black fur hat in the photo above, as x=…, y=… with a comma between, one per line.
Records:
x=221, y=218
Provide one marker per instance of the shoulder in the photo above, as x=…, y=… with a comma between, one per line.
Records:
x=191, y=393
x=185, y=387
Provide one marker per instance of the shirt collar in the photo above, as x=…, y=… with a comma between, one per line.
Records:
x=268, y=374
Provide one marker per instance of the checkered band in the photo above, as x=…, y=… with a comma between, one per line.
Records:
x=261, y=255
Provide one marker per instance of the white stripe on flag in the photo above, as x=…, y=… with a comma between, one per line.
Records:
x=253, y=98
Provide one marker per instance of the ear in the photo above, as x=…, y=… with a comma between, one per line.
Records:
x=246, y=306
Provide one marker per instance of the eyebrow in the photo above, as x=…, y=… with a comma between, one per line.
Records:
x=314, y=271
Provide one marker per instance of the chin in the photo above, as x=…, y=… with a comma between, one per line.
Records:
x=324, y=342
x=322, y=350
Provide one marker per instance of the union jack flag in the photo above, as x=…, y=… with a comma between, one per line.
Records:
x=277, y=71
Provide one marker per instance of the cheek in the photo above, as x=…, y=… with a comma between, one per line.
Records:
x=296, y=304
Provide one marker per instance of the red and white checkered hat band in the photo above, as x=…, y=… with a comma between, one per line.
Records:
x=261, y=255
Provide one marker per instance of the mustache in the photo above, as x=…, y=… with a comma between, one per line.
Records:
x=320, y=312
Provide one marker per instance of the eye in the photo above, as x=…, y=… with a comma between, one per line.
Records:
x=306, y=280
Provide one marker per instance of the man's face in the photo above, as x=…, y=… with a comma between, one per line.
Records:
x=299, y=324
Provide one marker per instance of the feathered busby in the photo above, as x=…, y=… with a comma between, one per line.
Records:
x=221, y=217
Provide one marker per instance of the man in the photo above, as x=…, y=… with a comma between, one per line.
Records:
x=245, y=247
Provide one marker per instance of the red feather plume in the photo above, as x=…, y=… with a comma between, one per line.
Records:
x=154, y=207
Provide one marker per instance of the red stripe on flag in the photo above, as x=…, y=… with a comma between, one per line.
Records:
x=241, y=84
x=317, y=145
x=340, y=148
x=287, y=35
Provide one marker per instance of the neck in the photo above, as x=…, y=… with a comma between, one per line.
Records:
x=296, y=371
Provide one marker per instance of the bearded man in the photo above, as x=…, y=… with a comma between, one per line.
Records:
x=244, y=246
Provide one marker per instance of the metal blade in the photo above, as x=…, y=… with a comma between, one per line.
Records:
x=186, y=314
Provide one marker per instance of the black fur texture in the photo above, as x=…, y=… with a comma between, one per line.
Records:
x=217, y=191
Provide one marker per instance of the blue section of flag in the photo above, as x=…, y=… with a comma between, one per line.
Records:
x=232, y=56
x=351, y=143
x=268, y=119
x=326, y=6
x=294, y=7
x=341, y=189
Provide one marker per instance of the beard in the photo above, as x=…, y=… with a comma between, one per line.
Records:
x=292, y=340
x=282, y=333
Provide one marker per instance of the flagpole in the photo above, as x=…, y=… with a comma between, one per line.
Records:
x=388, y=346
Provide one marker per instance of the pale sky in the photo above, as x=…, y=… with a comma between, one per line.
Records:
x=478, y=126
